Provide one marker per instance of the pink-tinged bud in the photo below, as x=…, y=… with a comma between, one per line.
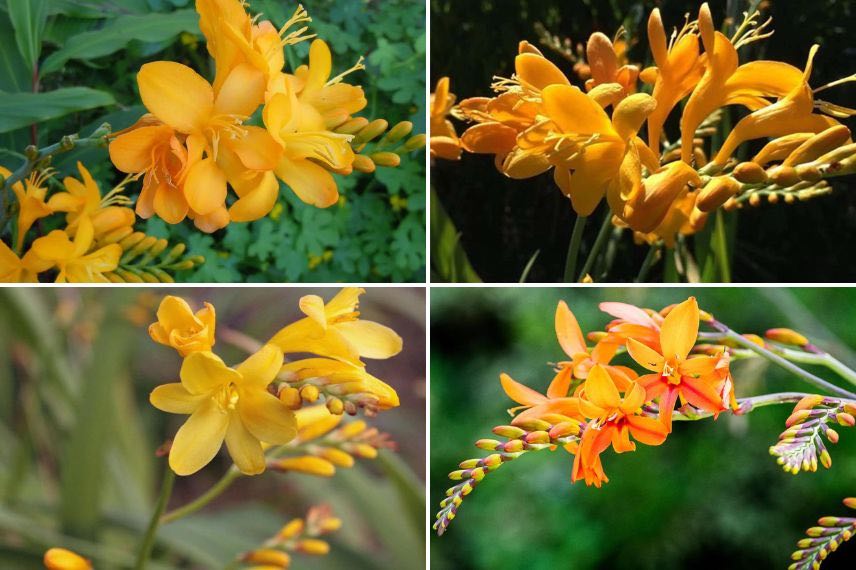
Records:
x=513, y=446
x=845, y=419
x=477, y=474
x=850, y=502
x=815, y=531
x=850, y=408
x=564, y=429
x=749, y=173
x=828, y=521
x=716, y=192
x=786, y=336
x=488, y=444
x=469, y=463
x=797, y=417
x=459, y=474
x=537, y=437
x=825, y=459
x=808, y=402
x=492, y=461
x=596, y=336
x=509, y=432
x=535, y=425
x=467, y=488
x=832, y=435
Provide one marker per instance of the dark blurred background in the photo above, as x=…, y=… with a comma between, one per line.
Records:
x=81, y=472
x=710, y=497
x=503, y=221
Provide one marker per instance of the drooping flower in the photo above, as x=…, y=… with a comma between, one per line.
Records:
x=226, y=404
x=335, y=330
x=25, y=269
x=179, y=327
x=613, y=419
x=444, y=140
x=31, y=201
x=676, y=374
x=75, y=260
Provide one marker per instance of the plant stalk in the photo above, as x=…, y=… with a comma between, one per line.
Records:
x=149, y=538
x=231, y=475
x=574, y=249
x=602, y=236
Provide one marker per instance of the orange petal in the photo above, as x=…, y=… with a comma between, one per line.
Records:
x=568, y=331
x=176, y=95
x=600, y=389
x=312, y=183
x=702, y=393
x=205, y=187
x=561, y=383
x=647, y=430
x=680, y=330
x=538, y=72
x=644, y=356
x=520, y=393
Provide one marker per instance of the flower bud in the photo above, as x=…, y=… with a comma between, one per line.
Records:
x=783, y=176
x=818, y=145
x=62, y=559
x=488, y=444
x=749, y=173
x=291, y=529
x=385, y=159
x=370, y=132
x=717, y=192
x=309, y=393
x=290, y=396
x=353, y=126
x=312, y=546
x=335, y=406
x=786, y=336
x=337, y=457
x=831, y=435
x=845, y=419
x=363, y=164
x=509, y=432
x=179, y=327
x=809, y=173
x=268, y=557
x=850, y=502
x=307, y=464
x=415, y=142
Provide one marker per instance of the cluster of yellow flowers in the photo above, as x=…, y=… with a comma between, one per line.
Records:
x=260, y=402
x=539, y=121
x=198, y=138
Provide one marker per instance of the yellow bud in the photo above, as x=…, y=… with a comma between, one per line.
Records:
x=784, y=176
x=313, y=546
x=363, y=164
x=308, y=464
x=290, y=396
x=398, y=132
x=309, y=393
x=754, y=200
x=370, y=132
x=790, y=199
x=754, y=339
x=717, y=192
x=786, y=336
x=330, y=524
x=415, y=142
x=291, y=529
x=364, y=450
x=335, y=406
x=386, y=159
x=62, y=559
x=353, y=429
x=850, y=502
x=809, y=173
x=773, y=198
x=268, y=557
x=337, y=457
x=780, y=148
x=749, y=173
x=818, y=145
x=353, y=126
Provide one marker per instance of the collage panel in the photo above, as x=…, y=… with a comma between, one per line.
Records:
x=642, y=428
x=212, y=428
x=213, y=141
x=673, y=141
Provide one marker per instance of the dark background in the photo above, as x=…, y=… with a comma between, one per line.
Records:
x=503, y=221
x=710, y=497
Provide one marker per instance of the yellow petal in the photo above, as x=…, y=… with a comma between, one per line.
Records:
x=646, y=357
x=212, y=221
x=268, y=419
x=242, y=92
x=372, y=340
x=538, y=72
x=132, y=151
x=175, y=399
x=199, y=439
x=657, y=38
x=439, y=97
x=203, y=371
x=176, y=95
x=630, y=113
x=313, y=307
x=680, y=330
x=54, y=246
x=568, y=331
x=633, y=399
x=257, y=202
x=257, y=150
x=601, y=58
x=205, y=187
x=170, y=204
x=600, y=389
x=345, y=302
x=573, y=111
x=262, y=367
x=175, y=313
x=246, y=450
x=320, y=66
x=312, y=183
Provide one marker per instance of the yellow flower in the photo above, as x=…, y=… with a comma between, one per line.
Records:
x=647, y=206
x=82, y=198
x=75, y=261
x=181, y=329
x=444, y=140
x=335, y=330
x=226, y=404
x=594, y=146
x=31, y=201
x=604, y=65
x=62, y=559
x=342, y=378
x=14, y=269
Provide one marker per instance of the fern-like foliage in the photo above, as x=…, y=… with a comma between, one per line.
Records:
x=535, y=435
x=823, y=539
x=801, y=446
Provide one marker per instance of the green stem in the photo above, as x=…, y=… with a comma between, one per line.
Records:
x=231, y=475
x=781, y=362
x=720, y=248
x=750, y=404
x=822, y=359
x=601, y=239
x=574, y=249
x=648, y=263
x=160, y=507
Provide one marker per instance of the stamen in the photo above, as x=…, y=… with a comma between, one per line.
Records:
x=750, y=31
x=835, y=83
x=300, y=16
x=356, y=67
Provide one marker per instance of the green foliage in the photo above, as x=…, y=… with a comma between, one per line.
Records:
x=90, y=54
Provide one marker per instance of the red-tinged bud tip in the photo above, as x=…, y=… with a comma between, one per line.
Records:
x=786, y=336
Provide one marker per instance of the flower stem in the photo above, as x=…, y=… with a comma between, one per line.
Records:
x=749, y=404
x=151, y=531
x=602, y=236
x=781, y=362
x=822, y=359
x=231, y=475
x=574, y=249
x=648, y=263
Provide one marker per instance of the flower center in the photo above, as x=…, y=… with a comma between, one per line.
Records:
x=671, y=372
x=227, y=397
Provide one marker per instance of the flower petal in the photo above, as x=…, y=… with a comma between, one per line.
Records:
x=312, y=183
x=573, y=111
x=538, y=72
x=203, y=371
x=647, y=358
x=561, y=383
x=519, y=393
x=680, y=330
x=702, y=393
x=568, y=331
x=258, y=202
x=647, y=430
x=262, y=367
x=257, y=149
x=132, y=151
x=242, y=92
x=205, y=187
x=267, y=418
x=372, y=340
x=633, y=399
x=246, y=450
x=176, y=95
x=629, y=313
x=199, y=439
x=699, y=366
x=175, y=399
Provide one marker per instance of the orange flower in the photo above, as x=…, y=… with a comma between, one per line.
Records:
x=444, y=140
x=614, y=418
x=696, y=380
x=537, y=405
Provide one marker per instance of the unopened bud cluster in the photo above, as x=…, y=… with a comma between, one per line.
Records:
x=801, y=446
x=823, y=539
x=297, y=536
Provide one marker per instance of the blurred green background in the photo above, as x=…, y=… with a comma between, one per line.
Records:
x=710, y=497
x=503, y=222
x=376, y=233
x=78, y=436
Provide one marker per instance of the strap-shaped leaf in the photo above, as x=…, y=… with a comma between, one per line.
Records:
x=28, y=18
x=22, y=109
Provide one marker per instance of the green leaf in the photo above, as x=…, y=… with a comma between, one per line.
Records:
x=28, y=18
x=449, y=261
x=118, y=33
x=23, y=109
x=14, y=76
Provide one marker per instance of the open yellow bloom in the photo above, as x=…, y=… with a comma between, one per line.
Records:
x=14, y=269
x=75, y=261
x=444, y=140
x=83, y=199
x=342, y=378
x=226, y=404
x=31, y=202
x=335, y=330
x=594, y=145
x=179, y=327
x=63, y=559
